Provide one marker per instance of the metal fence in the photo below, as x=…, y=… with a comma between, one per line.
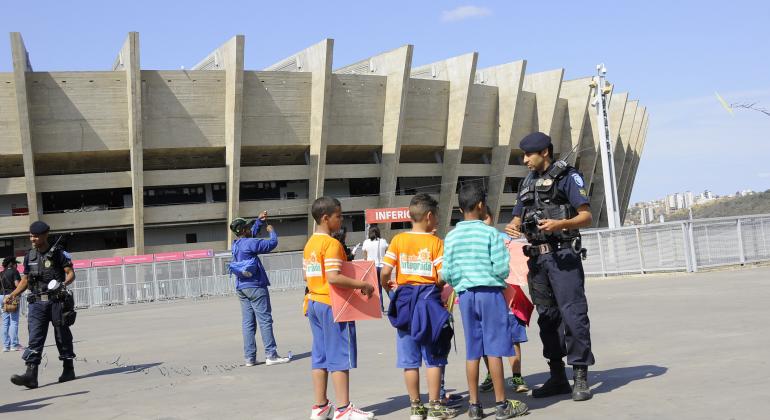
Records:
x=171, y=280
x=678, y=246
x=673, y=246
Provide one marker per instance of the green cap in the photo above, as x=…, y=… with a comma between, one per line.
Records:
x=238, y=224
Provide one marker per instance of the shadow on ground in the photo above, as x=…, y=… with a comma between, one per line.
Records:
x=29, y=405
x=601, y=381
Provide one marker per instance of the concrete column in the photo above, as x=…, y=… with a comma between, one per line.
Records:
x=317, y=60
x=577, y=93
x=128, y=60
x=396, y=66
x=229, y=57
x=459, y=72
x=22, y=66
x=629, y=158
x=624, y=140
x=547, y=87
x=509, y=79
x=635, y=164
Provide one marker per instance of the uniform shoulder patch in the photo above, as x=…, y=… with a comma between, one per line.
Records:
x=578, y=179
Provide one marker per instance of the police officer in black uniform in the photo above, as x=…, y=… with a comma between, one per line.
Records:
x=552, y=205
x=42, y=264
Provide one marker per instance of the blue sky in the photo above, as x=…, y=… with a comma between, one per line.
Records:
x=672, y=56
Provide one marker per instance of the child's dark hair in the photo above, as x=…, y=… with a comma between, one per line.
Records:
x=374, y=233
x=420, y=205
x=324, y=206
x=470, y=195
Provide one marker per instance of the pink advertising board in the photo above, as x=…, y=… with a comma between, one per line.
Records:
x=199, y=253
x=107, y=262
x=138, y=259
x=169, y=256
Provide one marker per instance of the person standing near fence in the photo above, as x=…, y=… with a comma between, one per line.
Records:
x=374, y=250
x=43, y=264
x=9, y=279
x=552, y=204
x=251, y=287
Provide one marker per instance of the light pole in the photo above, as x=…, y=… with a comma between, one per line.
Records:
x=601, y=90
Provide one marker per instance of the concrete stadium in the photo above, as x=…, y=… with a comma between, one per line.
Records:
x=137, y=161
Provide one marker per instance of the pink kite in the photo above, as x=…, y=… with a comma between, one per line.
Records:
x=517, y=300
x=350, y=304
x=518, y=264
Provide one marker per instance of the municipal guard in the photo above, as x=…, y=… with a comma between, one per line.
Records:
x=47, y=272
x=552, y=205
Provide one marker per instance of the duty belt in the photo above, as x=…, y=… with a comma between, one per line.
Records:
x=549, y=247
x=40, y=297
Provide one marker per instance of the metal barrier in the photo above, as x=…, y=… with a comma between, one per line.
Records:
x=171, y=280
x=673, y=246
x=677, y=246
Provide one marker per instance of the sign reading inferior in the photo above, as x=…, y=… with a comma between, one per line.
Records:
x=391, y=215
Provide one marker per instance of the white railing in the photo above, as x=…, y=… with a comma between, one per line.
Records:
x=673, y=246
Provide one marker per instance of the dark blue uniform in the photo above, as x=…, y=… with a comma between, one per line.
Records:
x=556, y=281
x=39, y=313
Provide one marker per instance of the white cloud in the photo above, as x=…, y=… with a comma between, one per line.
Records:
x=464, y=12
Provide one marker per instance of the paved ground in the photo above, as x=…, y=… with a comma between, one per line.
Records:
x=667, y=346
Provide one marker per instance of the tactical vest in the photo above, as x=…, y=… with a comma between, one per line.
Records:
x=42, y=269
x=541, y=199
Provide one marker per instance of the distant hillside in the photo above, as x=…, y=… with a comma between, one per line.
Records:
x=758, y=203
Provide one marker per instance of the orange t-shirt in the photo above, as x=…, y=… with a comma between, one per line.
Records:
x=322, y=254
x=416, y=256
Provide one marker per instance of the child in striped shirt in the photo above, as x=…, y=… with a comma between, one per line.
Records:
x=476, y=266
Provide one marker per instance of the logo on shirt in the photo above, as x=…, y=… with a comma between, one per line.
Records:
x=419, y=265
x=578, y=180
x=313, y=267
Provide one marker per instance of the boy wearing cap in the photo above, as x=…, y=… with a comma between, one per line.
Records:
x=42, y=264
x=251, y=287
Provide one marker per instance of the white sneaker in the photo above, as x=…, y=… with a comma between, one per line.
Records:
x=352, y=413
x=250, y=363
x=322, y=413
x=277, y=360
x=6, y=349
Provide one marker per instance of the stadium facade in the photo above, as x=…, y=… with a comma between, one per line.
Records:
x=135, y=161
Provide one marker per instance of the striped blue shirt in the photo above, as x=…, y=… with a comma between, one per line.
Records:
x=474, y=255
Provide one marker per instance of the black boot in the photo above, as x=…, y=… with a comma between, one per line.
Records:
x=557, y=384
x=68, y=373
x=28, y=379
x=580, y=391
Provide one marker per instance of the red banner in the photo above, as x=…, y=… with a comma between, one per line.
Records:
x=106, y=262
x=81, y=263
x=199, y=253
x=138, y=259
x=169, y=256
x=390, y=215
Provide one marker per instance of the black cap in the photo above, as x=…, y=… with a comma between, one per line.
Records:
x=535, y=142
x=39, y=228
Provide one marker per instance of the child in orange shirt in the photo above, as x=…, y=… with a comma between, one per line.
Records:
x=334, y=343
x=416, y=310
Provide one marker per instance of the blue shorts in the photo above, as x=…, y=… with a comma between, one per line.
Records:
x=410, y=354
x=518, y=329
x=486, y=323
x=334, y=343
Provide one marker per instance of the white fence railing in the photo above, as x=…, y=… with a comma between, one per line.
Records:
x=673, y=246
x=678, y=246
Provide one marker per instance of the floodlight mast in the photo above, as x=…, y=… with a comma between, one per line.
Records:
x=601, y=91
